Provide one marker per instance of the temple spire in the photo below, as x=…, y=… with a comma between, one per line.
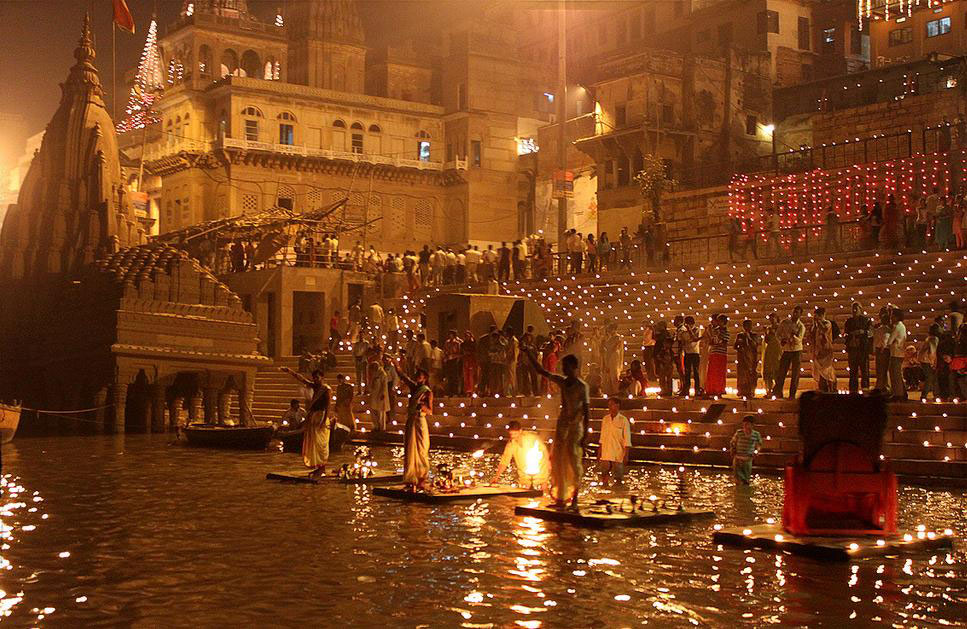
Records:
x=83, y=75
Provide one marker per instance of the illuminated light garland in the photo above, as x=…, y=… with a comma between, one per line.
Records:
x=864, y=9
x=148, y=84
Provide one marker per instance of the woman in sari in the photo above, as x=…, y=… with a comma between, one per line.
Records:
x=717, y=356
x=315, y=430
x=747, y=357
x=551, y=351
x=821, y=343
x=416, y=440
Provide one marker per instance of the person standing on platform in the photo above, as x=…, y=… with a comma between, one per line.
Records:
x=570, y=436
x=551, y=352
x=664, y=358
x=520, y=444
x=881, y=352
x=896, y=344
x=436, y=368
x=503, y=263
x=378, y=390
x=771, y=352
x=747, y=360
x=821, y=336
x=471, y=368
x=745, y=446
x=360, y=356
x=791, y=332
x=927, y=356
x=526, y=376
x=677, y=332
x=688, y=338
x=416, y=439
x=718, y=365
x=452, y=371
x=612, y=358
x=335, y=330
x=345, y=394
x=858, y=334
x=315, y=430
x=614, y=444
x=648, y=350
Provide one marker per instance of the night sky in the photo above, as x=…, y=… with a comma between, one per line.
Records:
x=38, y=39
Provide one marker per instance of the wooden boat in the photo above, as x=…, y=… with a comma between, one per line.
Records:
x=233, y=437
x=9, y=420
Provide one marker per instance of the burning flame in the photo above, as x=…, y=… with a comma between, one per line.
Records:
x=532, y=460
x=478, y=454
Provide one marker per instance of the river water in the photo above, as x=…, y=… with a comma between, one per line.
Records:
x=137, y=530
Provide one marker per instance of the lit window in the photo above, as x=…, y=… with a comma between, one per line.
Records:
x=829, y=36
x=423, y=150
x=938, y=27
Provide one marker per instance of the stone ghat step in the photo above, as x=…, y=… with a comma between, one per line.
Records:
x=922, y=470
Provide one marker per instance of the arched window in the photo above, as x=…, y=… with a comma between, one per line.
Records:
x=423, y=146
x=251, y=115
x=286, y=128
x=205, y=61
x=374, y=128
x=169, y=132
x=357, y=138
x=251, y=64
x=339, y=124
x=229, y=63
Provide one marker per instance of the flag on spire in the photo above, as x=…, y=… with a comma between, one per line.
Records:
x=148, y=84
x=123, y=17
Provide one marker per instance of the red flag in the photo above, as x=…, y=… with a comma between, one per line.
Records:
x=122, y=16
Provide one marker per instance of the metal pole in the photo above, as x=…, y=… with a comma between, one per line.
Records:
x=114, y=71
x=562, y=122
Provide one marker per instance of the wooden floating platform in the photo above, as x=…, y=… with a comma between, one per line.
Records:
x=597, y=516
x=470, y=493
x=302, y=476
x=773, y=537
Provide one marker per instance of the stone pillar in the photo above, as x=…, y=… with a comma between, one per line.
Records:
x=174, y=413
x=119, y=396
x=224, y=406
x=195, y=407
x=101, y=415
x=245, y=397
x=157, y=408
x=210, y=401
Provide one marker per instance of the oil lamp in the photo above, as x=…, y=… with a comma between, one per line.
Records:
x=532, y=462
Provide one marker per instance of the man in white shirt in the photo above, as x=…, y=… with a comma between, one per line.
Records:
x=615, y=443
x=530, y=455
x=689, y=336
x=897, y=343
x=790, y=332
x=473, y=260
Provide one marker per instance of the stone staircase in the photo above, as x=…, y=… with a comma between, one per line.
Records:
x=927, y=441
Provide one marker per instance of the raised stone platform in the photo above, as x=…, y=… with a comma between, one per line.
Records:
x=773, y=538
x=302, y=476
x=600, y=516
x=400, y=492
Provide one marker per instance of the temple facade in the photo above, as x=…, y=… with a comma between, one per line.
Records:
x=119, y=333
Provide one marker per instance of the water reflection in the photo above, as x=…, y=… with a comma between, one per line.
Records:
x=131, y=530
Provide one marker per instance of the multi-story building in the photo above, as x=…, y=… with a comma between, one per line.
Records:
x=805, y=39
x=901, y=33
x=298, y=113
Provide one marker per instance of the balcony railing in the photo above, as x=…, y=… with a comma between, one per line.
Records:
x=365, y=158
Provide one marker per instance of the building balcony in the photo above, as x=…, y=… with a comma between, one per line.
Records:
x=332, y=154
x=157, y=152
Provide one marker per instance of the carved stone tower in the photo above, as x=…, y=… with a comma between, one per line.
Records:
x=327, y=45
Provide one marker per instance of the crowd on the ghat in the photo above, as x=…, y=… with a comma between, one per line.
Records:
x=681, y=357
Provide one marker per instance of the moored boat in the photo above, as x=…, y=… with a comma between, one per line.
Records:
x=9, y=420
x=232, y=437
